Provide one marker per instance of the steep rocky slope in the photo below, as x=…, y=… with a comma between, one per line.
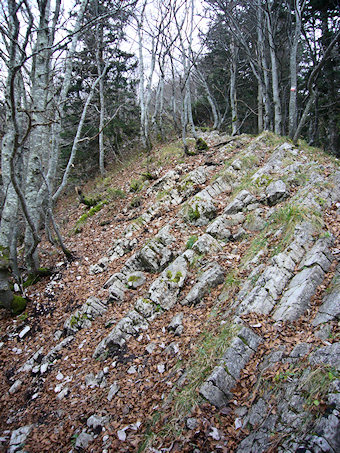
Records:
x=200, y=315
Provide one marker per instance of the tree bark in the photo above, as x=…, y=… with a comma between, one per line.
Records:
x=275, y=74
x=233, y=95
x=299, y=6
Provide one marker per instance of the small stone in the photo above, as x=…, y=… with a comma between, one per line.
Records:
x=238, y=423
x=172, y=349
x=91, y=381
x=57, y=335
x=178, y=332
x=161, y=368
x=83, y=440
x=192, y=423
x=114, y=389
x=121, y=434
x=214, y=433
x=60, y=376
x=63, y=393
x=237, y=164
x=176, y=322
x=19, y=436
x=43, y=368
x=150, y=348
x=24, y=331
x=15, y=387
x=132, y=370
x=96, y=423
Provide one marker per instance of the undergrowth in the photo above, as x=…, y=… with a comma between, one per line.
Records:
x=211, y=345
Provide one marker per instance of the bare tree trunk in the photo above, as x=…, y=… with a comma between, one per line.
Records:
x=99, y=59
x=39, y=138
x=265, y=84
x=233, y=96
x=101, y=128
x=259, y=108
x=78, y=134
x=173, y=95
x=60, y=114
x=188, y=106
x=299, y=6
x=312, y=93
x=275, y=74
x=212, y=103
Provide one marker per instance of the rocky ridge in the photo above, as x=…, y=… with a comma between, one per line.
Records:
x=245, y=245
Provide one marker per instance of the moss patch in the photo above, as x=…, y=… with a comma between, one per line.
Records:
x=18, y=305
x=201, y=145
x=82, y=219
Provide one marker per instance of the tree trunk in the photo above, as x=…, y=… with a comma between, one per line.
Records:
x=275, y=74
x=259, y=108
x=99, y=60
x=265, y=83
x=40, y=137
x=233, y=96
x=293, y=69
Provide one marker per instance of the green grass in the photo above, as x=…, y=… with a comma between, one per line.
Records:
x=288, y=217
x=193, y=213
x=115, y=193
x=315, y=386
x=136, y=185
x=191, y=241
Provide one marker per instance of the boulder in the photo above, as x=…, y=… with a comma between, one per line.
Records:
x=243, y=199
x=135, y=279
x=297, y=297
x=276, y=192
x=82, y=318
x=210, y=278
x=206, y=244
x=199, y=211
x=165, y=289
x=155, y=255
x=100, y=267
x=219, y=228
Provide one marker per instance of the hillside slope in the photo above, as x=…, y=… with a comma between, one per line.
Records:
x=201, y=312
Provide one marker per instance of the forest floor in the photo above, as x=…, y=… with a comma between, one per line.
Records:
x=149, y=411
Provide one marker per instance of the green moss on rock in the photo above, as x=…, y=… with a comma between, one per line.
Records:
x=201, y=145
x=18, y=305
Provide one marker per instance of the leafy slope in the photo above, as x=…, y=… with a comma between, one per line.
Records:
x=159, y=387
